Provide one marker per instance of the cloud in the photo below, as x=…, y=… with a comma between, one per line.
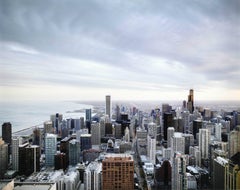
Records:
x=120, y=44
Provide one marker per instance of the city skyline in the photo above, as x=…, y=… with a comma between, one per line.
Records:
x=147, y=50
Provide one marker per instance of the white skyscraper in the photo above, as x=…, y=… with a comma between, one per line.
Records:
x=170, y=133
x=204, y=140
x=108, y=106
x=16, y=141
x=218, y=131
x=178, y=143
x=152, y=129
x=179, y=178
x=151, y=150
x=92, y=176
x=50, y=149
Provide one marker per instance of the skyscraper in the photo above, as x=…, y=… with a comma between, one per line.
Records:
x=7, y=135
x=92, y=176
x=167, y=122
x=118, y=172
x=16, y=141
x=190, y=103
x=170, y=133
x=95, y=131
x=151, y=150
x=88, y=115
x=108, y=106
x=178, y=143
x=3, y=157
x=204, y=140
x=74, y=152
x=50, y=149
x=152, y=129
x=179, y=178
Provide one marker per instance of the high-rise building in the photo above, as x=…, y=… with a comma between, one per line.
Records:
x=3, y=157
x=108, y=106
x=48, y=127
x=32, y=159
x=95, y=131
x=16, y=141
x=7, y=136
x=88, y=115
x=86, y=141
x=197, y=124
x=37, y=137
x=170, y=133
x=50, y=149
x=167, y=122
x=118, y=172
x=151, y=150
x=92, y=176
x=190, y=102
x=152, y=129
x=204, y=140
x=234, y=141
x=178, y=143
x=102, y=126
x=219, y=172
x=189, y=141
x=179, y=178
x=218, y=131
x=74, y=152
x=56, y=120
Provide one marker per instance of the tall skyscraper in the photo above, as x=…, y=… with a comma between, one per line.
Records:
x=234, y=141
x=152, y=129
x=74, y=152
x=86, y=141
x=108, y=106
x=16, y=141
x=88, y=115
x=151, y=150
x=167, y=122
x=190, y=103
x=56, y=120
x=204, y=140
x=3, y=157
x=92, y=176
x=179, y=178
x=178, y=143
x=118, y=172
x=7, y=135
x=170, y=133
x=95, y=131
x=32, y=159
x=50, y=149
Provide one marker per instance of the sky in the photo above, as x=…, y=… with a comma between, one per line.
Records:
x=131, y=50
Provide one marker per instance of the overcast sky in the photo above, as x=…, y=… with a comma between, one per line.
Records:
x=138, y=49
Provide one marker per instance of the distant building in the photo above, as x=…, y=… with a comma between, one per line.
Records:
x=178, y=143
x=234, y=141
x=50, y=149
x=88, y=115
x=167, y=122
x=48, y=127
x=152, y=129
x=56, y=120
x=170, y=133
x=7, y=136
x=108, y=107
x=118, y=172
x=3, y=157
x=151, y=150
x=92, y=176
x=190, y=102
x=90, y=155
x=197, y=124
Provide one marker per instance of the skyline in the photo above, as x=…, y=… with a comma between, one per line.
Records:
x=78, y=50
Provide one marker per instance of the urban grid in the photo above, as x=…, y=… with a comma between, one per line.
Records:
x=121, y=147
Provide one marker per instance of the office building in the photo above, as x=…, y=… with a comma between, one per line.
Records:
x=218, y=131
x=163, y=175
x=16, y=141
x=37, y=137
x=93, y=176
x=178, y=143
x=197, y=124
x=74, y=152
x=108, y=129
x=50, y=149
x=118, y=172
x=7, y=136
x=32, y=161
x=179, y=177
x=3, y=157
x=219, y=172
x=48, y=127
x=167, y=122
x=234, y=141
x=170, y=133
x=60, y=161
x=152, y=129
x=190, y=102
x=204, y=141
x=118, y=130
x=88, y=115
x=178, y=124
x=96, y=133
x=108, y=107
x=86, y=141
x=189, y=141
x=151, y=150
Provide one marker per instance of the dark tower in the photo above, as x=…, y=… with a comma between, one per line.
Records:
x=7, y=136
x=190, y=105
x=167, y=122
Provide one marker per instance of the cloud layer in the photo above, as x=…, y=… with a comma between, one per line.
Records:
x=133, y=46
